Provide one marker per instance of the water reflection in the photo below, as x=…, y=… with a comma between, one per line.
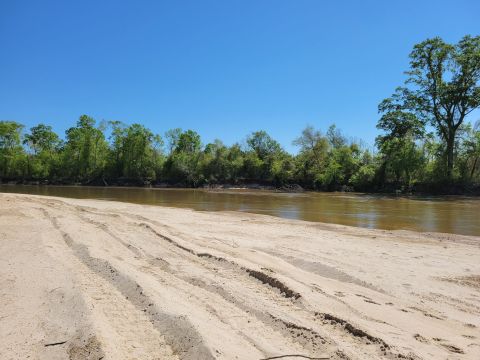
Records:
x=459, y=215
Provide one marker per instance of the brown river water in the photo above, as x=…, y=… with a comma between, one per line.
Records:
x=447, y=214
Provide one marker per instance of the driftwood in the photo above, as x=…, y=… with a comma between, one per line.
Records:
x=56, y=343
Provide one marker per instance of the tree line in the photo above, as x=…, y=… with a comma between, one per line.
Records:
x=425, y=143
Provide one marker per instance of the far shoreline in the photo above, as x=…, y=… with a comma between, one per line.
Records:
x=291, y=188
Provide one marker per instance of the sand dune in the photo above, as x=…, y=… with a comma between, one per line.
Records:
x=85, y=279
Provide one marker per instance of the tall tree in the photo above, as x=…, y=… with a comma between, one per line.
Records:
x=42, y=138
x=44, y=144
x=117, y=135
x=335, y=137
x=188, y=141
x=85, y=150
x=263, y=152
x=10, y=147
x=182, y=166
x=138, y=153
x=215, y=164
x=172, y=136
x=442, y=88
x=263, y=144
x=313, y=155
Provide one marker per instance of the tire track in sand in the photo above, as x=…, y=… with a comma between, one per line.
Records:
x=355, y=336
x=297, y=336
x=132, y=315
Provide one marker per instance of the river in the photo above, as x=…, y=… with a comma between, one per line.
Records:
x=447, y=214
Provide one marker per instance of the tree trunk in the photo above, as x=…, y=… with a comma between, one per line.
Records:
x=450, y=148
x=28, y=167
x=473, y=168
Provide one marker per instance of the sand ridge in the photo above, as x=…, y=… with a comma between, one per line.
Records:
x=87, y=279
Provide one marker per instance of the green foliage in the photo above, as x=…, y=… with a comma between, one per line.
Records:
x=137, y=151
x=189, y=142
x=184, y=163
x=235, y=163
x=12, y=156
x=44, y=143
x=328, y=162
x=263, y=145
x=183, y=168
x=469, y=156
x=262, y=153
x=215, y=163
x=442, y=88
x=335, y=137
x=312, y=158
x=403, y=160
x=42, y=139
x=85, y=151
x=134, y=155
x=172, y=136
x=363, y=178
x=282, y=169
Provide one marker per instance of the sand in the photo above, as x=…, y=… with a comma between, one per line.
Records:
x=89, y=279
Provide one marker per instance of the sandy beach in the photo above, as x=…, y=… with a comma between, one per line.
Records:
x=90, y=279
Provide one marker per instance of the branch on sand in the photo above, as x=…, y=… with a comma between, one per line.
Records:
x=56, y=343
x=296, y=355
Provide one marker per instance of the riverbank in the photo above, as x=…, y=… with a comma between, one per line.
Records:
x=86, y=279
x=420, y=189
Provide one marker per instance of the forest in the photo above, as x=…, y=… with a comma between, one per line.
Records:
x=425, y=143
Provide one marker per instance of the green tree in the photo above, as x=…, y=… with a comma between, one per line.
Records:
x=135, y=152
x=42, y=138
x=470, y=154
x=215, y=162
x=235, y=163
x=115, y=158
x=364, y=177
x=282, y=169
x=11, y=151
x=44, y=144
x=335, y=137
x=189, y=142
x=401, y=157
x=263, y=152
x=184, y=163
x=442, y=88
x=85, y=152
x=138, y=153
x=402, y=160
x=158, y=155
x=312, y=157
x=172, y=136
x=263, y=144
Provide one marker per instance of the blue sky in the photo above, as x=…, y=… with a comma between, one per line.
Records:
x=223, y=68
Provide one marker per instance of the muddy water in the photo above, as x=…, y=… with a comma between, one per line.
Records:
x=449, y=214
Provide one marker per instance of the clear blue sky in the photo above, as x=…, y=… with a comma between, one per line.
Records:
x=223, y=68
